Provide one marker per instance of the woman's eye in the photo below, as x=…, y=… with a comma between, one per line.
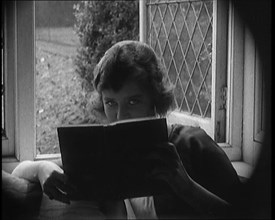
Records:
x=133, y=102
x=110, y=103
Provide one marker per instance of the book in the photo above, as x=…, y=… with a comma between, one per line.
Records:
x=108, y=160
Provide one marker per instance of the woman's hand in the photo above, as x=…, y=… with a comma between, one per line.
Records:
x=51, y=177
x=168, y=167
x=54, y=182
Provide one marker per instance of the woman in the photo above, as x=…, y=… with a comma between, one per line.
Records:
x=131, y=83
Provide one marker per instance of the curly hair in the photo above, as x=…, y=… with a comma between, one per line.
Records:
x=134, y=61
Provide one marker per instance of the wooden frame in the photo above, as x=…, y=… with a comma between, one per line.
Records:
x=253, y=118
x=20, y=66
x=9, y=68
x=235, y=80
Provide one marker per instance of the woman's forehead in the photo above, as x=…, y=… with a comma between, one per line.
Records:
x=129, y=89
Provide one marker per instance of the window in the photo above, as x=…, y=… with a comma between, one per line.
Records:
x=193, y=40
x=224, y=89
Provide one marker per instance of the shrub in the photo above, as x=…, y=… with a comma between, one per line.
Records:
x=100, y=24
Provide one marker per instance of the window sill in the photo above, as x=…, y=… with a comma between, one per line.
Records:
x=8, y=164
x=243, y=169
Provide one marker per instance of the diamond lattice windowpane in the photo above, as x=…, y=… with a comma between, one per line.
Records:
x=209, y=6
x=184, y=76
x=184, y=39
x=190, y=58
x=178, y=56
x=197, y=7
x=162, y=38
x=158, y=50
x=153, y=9
x=173, y=38
x=196, y=109
x=190, y=20
x=167, y=20
x=157, y=18
x=204, y=59
x=208, y=112
x=184, y=106
x=179, y=19
x=162, y=9
x=208, y=40
x=173, y=73
x=197, y=40
x=208, y=80
x=203, y=99
x=167, y=56
x=178, y=93
x=173, y=8
x=203, y=21
x=184, y=8
x=184, y=43
x=190, y=96
x=196, y=79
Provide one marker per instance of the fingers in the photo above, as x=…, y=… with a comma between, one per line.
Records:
x=163, y=155
x=57, y=187
x=55, y=193
x=164, y=163
x=61, y=181
x=170, y=149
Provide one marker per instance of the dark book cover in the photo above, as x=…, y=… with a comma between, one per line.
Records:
x=108, y=160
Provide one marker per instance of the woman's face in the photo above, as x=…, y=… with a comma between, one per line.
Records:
x=131, y=101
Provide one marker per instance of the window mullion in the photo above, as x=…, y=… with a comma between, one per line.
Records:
x=25, y=121
x=219, y=68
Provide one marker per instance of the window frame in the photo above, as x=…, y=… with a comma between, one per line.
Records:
x=235, y=78
x=9, y=76
x=20, y=72
x=20, y=67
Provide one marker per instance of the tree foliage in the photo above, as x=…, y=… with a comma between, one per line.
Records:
x=100, y=24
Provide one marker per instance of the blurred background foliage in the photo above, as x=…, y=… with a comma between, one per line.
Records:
x=99, y=25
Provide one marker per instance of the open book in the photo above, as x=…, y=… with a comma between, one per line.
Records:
x=108, y=161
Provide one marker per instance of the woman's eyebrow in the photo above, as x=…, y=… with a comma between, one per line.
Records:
x=108, y=99
x=135, y=96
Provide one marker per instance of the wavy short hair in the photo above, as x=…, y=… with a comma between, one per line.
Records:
x=134, y=61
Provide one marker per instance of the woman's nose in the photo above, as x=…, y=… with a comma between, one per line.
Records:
x=122, y=113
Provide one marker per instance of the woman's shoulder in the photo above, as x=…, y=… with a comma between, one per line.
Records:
x=192, y=137
x=184, y=130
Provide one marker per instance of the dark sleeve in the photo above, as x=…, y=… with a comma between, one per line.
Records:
x=205, y=161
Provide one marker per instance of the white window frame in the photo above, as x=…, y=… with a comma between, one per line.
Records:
x=20, y=99
x=9, y=69
x=20, y=72
x=235, y=79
